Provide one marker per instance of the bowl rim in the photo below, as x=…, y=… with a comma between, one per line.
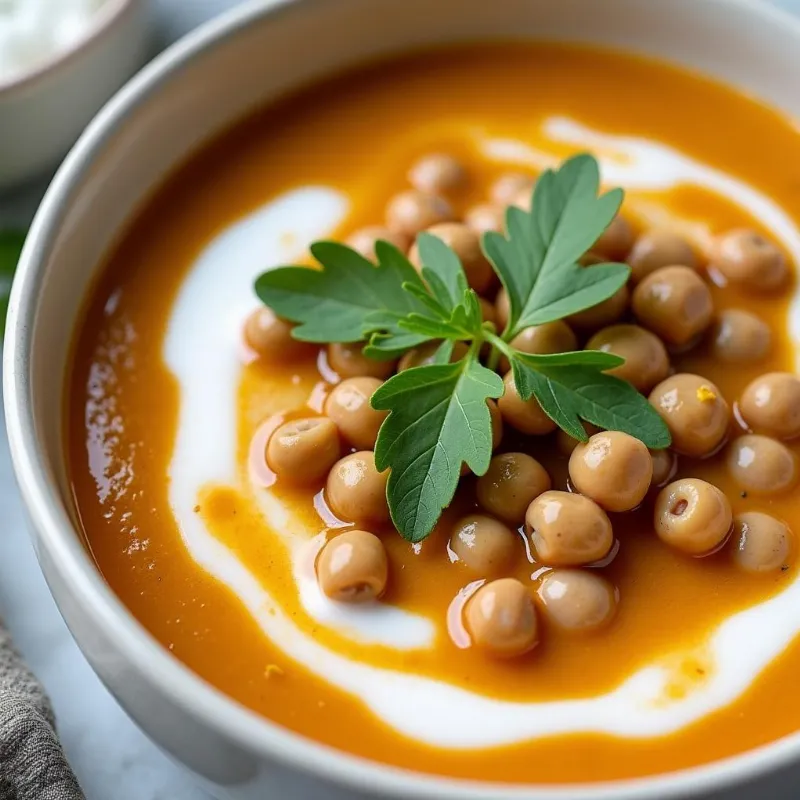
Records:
x=108, y=15
x=57, y=533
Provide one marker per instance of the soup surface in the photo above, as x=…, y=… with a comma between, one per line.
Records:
x=169, y=413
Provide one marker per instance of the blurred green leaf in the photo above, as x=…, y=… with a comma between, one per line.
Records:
x=11, y=242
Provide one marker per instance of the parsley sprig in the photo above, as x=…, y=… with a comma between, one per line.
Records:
x=438, y=414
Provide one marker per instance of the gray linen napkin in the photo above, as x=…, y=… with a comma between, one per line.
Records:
x=32, y=763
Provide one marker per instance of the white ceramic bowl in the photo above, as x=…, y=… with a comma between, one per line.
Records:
x=194, y=90
x=44, y=110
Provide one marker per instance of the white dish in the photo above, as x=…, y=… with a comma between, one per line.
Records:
x=44, y=109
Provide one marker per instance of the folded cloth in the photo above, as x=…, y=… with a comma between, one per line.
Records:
x=32, y=763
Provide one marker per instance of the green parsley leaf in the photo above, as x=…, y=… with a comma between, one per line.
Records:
x=438, y=416
x=428, y=300
x=444, y=352
x=346, y=300
x=580, y=358
x=446, y=294
x=569, y=391
x=442, y=270
x=11, y=242
x=433, y=328
x=464, y=323
x=390, y=339
x=537, y=260
x=438, y=419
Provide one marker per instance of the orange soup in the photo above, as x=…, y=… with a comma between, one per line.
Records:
x=582, y=611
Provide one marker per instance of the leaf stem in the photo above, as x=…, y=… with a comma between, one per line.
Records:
x=498, y=346
x=475, y=345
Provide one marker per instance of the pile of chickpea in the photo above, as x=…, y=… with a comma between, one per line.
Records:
x=666, y=308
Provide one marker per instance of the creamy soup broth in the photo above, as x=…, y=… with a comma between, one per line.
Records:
x=168, y=414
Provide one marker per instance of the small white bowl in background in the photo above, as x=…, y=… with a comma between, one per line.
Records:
x=44, y=109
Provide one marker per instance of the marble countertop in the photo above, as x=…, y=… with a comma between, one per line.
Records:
x=111, y=757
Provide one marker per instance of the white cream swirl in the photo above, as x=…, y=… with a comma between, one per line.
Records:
x=204, y=360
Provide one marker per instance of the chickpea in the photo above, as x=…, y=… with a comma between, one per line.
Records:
x=646, y=359
x=674, y=303
x=551, y=337
x=566, y=443
x=423, y=355
x=761, y=542
x=613, y=469
x=437, y=173
x=524, y=415
x=501, y=619
x=485, y=545
x=602, y=314
x=270, y=337
x=485, y=218
x=348, y=405
x=568, y=530
x=771, y=405
x=523, y=199
x=577, y=600
x=512, y=482
x=353, y=567
x=356, y=491
x=659, y=248
x=761, y=465
x=746, y=258
x=467, y=246
x=507, y=188
x=347, y=360
x=739, y=337
x=411, y=212
x=591, y=259
x=665, y=465
x=695, y=412
x=364, y=239
x=502, y=307
x=616, y=241
x=692, y=516
x=488, y=312
x=303, y=450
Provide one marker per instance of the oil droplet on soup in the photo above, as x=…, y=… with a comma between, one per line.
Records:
x=170, y=411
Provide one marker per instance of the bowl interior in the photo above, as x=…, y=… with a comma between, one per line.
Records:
x=215, y=81
x=214, y=78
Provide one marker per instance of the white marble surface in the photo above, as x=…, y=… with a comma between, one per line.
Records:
x=112, y=758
